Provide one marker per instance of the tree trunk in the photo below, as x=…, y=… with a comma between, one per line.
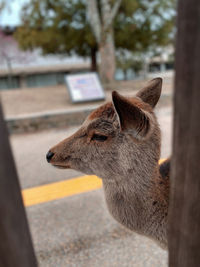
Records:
x=184, y=216
x=101, y=14
x=107, y=58
x=93, y=59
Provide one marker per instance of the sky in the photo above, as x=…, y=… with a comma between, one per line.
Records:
x=11, y=14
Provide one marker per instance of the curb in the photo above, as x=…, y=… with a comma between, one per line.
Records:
x=28, y=123
x=36, y=122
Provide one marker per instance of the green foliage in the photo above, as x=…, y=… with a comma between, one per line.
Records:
x=61, y=26
x=56, y=27
x=142, y=24
x=140, y=28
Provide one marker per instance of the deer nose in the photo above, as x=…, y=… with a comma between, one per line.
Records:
x=49, y=156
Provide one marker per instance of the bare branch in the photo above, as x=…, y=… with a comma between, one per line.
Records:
x=94, y=18
x=105, y=9
x=113, y=13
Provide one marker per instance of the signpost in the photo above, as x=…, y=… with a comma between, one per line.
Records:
x=84, y=87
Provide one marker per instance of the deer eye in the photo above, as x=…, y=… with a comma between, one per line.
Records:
x=99, y=137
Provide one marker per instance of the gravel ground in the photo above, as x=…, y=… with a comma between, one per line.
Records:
x=35, y=100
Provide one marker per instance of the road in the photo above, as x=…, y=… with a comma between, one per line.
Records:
x=78, y=230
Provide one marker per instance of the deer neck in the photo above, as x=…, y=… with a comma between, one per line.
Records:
x=133, y=200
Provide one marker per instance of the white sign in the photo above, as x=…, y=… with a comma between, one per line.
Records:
x=84, y=87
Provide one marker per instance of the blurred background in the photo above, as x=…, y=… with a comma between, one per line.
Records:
x=127, y=42
x=41, y=41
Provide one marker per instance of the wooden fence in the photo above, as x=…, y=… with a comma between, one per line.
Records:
x=184, y=228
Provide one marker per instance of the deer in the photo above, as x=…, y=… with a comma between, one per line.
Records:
x=120, y=142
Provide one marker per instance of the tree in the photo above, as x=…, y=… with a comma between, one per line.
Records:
x=143, y=28
x=141, y=25
x=64, y=27
x=101, y=15
x=57, y=27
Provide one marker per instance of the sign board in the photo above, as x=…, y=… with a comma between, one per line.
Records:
x=84, y=87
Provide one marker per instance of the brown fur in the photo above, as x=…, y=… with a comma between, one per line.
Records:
x=104, y=110
x=120, y=142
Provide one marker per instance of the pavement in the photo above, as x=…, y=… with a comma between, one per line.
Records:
x=78, y=232
x=30, y=101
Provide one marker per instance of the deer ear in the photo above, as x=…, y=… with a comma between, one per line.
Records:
x=131, y=118
x=151, y=93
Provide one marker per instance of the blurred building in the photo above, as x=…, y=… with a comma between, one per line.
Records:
x=163, y=61
x=19, y=69
x=143, y=65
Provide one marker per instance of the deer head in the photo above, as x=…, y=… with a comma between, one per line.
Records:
x=116, y=139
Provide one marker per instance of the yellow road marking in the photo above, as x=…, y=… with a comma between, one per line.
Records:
x=161, y=161
x=53, y=191
x=45, y=193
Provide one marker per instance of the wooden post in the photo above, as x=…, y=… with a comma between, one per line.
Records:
x=16, y=248
x=184, y=215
